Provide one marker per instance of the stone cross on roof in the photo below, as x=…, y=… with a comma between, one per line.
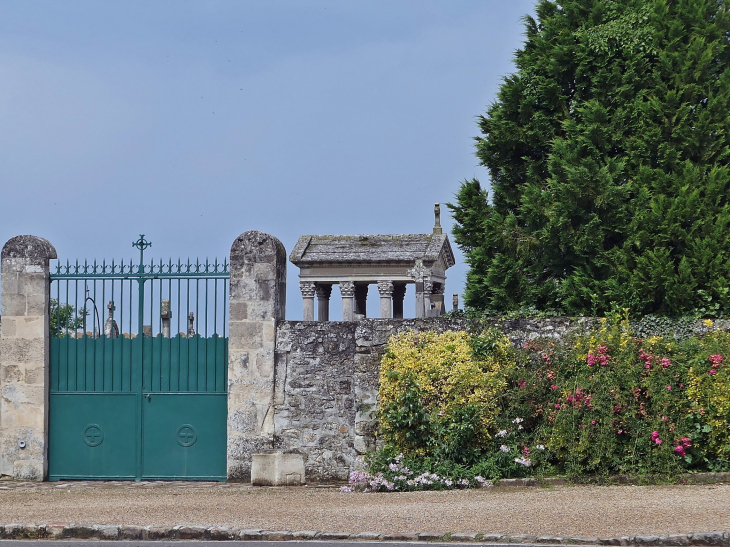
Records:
x=419, y=272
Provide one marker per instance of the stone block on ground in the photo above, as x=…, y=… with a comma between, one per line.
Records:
x=277, y=468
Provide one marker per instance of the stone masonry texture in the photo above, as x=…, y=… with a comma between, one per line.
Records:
x=24, y=350
x=257, y=299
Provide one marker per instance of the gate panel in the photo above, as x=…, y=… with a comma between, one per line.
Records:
x=93, y=436
x=184, y=436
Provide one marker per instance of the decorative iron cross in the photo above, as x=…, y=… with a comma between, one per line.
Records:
x=141, y=244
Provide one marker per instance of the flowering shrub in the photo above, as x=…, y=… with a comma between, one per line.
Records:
x=460, y=407
x=439, y=393
x=398, y=477
x=709, y=392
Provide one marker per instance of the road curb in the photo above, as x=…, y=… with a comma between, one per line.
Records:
x=66, y=530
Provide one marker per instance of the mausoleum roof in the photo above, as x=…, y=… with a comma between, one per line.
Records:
x=358, y=249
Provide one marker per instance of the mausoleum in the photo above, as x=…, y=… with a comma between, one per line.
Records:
x=392, y=262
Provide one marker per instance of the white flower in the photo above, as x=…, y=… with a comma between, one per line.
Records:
x=502, y=433
x=524, y=461
x=517, y=420
x=483, y=482
x=540, y=447
x=504, y=448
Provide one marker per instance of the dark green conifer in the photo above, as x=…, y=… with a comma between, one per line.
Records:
x=609, y=153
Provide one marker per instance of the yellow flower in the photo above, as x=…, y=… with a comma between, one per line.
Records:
x=446, y=374
x=708, y=323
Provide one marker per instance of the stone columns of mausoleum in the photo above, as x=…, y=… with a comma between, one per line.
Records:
x=385, y=288
x=399, y=293
x=308, y=289
x=429, y=299
x=361, y=299
x=347, y=291
x=324, y=291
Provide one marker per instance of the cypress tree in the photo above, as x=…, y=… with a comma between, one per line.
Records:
x=608, y=153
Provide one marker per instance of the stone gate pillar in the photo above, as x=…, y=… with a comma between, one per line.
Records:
x=257, y=300
x=24, y=357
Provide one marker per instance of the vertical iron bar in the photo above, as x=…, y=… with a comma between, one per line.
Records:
x=121, y=332
x=206, y=331
x=162, y=341
x=93, y=372
x=58, y=297
x=197, y=340
x=152, y=325
x=226, y=289
x=190, y=342
x=76, y=345
x=131, y=333
x=101, y=334
x=112, y=333
x=169, y=341
x=215, y=333
x=140, y=384
x=179, y=338
x=86, y=337
x=66, y=321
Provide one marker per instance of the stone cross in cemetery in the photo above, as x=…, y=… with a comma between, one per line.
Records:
x=392, y=262
x=111, y=329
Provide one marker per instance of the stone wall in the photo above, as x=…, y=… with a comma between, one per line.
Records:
x=327, y=377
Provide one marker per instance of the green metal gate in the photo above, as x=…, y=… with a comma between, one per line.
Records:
x=131, y=396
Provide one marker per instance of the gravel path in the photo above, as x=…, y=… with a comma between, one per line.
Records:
x=587, y=511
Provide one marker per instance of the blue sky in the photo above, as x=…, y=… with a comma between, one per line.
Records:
x=192, y=122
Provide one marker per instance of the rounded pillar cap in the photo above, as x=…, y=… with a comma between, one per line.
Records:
x=28, y=247
x=255, y=246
